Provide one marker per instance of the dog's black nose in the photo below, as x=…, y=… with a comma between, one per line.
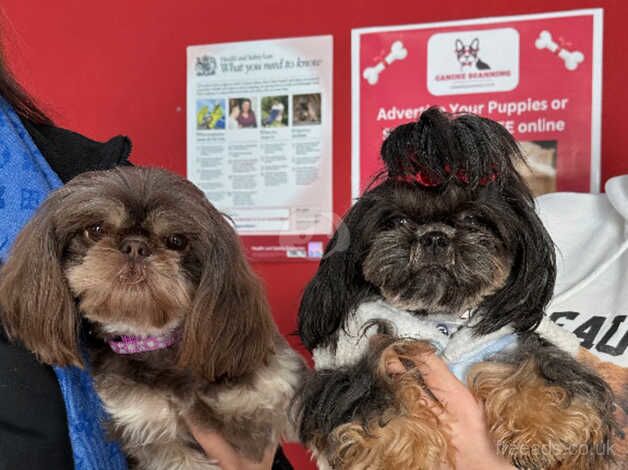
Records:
x=135, y=248
x=434, y=241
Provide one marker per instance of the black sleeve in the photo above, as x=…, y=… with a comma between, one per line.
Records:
x=33, y=426
x=70, y=154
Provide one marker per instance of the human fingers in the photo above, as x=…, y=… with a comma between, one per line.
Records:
x=216, y=447
x=443, y=384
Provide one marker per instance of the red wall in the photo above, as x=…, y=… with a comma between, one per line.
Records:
x=118, y=66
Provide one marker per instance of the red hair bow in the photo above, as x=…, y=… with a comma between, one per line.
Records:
x=424, y=179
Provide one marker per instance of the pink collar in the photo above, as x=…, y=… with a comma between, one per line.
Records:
x=139, y=344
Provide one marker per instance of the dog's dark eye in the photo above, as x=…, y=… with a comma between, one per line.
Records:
x=95, y=232
x=471, y=219
x=399, y=221
x=176, y=242
x=394, y=222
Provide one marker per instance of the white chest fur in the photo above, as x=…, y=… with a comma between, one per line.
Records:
x=353, y=340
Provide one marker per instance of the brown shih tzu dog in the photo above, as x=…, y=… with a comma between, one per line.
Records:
x=445, y=252
x=180, y=329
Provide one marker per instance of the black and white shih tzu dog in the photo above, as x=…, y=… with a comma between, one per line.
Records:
x=180, y=326
x=445, y=252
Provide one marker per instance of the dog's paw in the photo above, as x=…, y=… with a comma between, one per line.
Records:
x=406, y=440
x=407, y=433
x=400, y=356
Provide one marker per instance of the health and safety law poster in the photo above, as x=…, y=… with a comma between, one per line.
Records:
x=259, y=140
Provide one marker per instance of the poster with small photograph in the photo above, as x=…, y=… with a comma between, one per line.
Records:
x=275, y=111
x=242, y=113
x=210, y=114
x=539, y=170
x=306, y=109
x=268, y=170
x=538, y=75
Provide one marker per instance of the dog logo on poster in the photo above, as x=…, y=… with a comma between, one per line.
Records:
x=468, y=56
x=475, y=61
x=206, y=65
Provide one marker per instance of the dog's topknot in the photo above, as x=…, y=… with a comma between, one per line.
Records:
x=442, y=147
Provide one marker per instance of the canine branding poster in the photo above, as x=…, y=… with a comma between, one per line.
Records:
x=539, y=75
x=259, y=144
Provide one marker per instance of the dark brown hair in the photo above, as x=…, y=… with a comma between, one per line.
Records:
x=229, y=331
x=23, y=104
x=37, y=306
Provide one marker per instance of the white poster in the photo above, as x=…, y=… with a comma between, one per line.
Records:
x=259, y=133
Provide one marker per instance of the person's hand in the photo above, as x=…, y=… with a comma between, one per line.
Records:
x=460, y=411
x=226, y=456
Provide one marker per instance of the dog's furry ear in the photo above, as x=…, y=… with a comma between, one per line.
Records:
x=229, y=331
x=529, y=288
x=37, y=307
x=339, y=285
x=459, y=45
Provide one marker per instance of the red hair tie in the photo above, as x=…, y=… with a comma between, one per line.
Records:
x=424, y=179
x=421, y=178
